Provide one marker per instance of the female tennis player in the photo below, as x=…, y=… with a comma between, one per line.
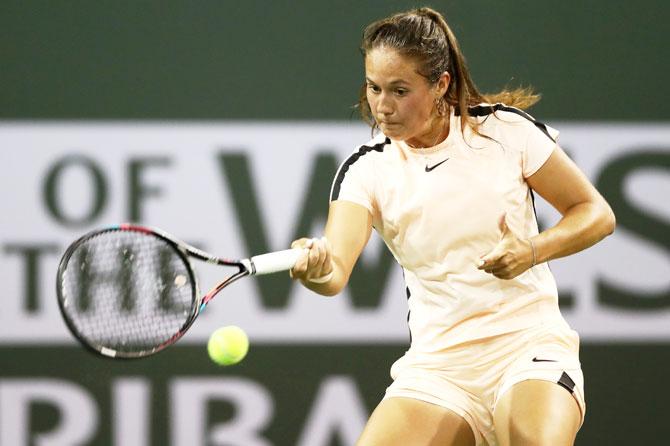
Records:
x=448, y=184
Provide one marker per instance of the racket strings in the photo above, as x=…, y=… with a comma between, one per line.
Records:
x=127, y=291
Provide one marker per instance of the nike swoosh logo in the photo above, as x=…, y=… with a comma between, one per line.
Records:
x=428, y=169
x=543, y=360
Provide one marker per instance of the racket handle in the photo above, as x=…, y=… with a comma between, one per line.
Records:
x=274, y=262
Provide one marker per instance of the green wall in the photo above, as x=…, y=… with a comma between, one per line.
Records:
x=592, y=60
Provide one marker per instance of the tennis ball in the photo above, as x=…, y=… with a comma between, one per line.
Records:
x=228, y=345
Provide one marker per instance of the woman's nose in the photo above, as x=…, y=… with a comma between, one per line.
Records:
x=384, y=105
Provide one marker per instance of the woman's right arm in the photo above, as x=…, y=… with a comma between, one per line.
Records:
x=347, y=231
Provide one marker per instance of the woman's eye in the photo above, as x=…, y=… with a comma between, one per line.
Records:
x=374, y=88
x=401, y=92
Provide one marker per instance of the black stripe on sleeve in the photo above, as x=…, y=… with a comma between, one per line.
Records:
x=483, y=110
x=335, y=192
x=409, y=294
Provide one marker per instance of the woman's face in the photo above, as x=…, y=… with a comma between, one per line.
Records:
x=402, y=101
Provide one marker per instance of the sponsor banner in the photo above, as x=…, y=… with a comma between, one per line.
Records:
x=309, y=395
x=303, y=396
x=237, y=189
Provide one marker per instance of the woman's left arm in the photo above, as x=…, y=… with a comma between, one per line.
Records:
x=586, y=216
x=587, y=219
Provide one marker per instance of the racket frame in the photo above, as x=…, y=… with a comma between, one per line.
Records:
x=184, y=251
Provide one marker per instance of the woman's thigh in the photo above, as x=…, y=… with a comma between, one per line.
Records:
x=536, y=412
x=401, y=421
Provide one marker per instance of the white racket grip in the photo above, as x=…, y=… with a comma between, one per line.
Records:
x=274, y=262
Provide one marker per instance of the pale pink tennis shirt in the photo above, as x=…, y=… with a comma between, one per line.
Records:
x=437, y=209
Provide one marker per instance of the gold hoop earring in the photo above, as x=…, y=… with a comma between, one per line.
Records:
x=441, y=106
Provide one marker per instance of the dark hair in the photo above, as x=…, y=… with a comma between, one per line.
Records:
x=423, y=34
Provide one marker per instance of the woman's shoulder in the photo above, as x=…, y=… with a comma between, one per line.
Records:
x=377, y=144
x=374, y=147
x=506, y=118
x=502, y=112
x=360, y=167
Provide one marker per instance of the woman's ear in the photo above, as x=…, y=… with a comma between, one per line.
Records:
x=443, y=84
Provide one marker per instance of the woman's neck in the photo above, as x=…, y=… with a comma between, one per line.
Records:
x=438, y=132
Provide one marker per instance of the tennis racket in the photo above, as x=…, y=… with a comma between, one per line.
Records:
x=130, y=291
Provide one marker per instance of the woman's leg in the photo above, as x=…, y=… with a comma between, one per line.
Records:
x=536, y=412
x=399, y=421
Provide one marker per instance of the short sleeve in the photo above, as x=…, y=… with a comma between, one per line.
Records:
x=540, y=143
x=354, y=180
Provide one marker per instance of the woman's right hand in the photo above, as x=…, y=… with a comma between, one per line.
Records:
x=327, y=262
x=315, y=263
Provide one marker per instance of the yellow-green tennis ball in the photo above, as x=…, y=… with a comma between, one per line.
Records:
x=228, y=345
